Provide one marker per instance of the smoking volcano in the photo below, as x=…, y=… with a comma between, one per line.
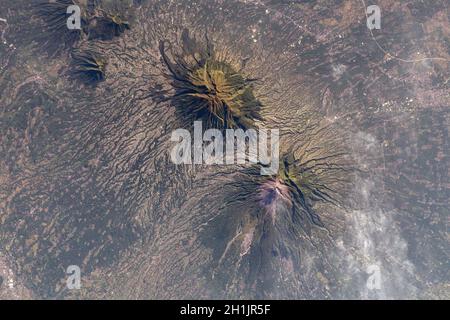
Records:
x=87, y=179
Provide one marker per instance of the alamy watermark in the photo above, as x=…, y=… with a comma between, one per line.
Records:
x=74, y=279
x=373, y=17
x=240, y=147
x=74, y=20
x=374, y=279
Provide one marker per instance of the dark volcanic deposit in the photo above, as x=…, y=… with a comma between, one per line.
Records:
x=86, y=178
